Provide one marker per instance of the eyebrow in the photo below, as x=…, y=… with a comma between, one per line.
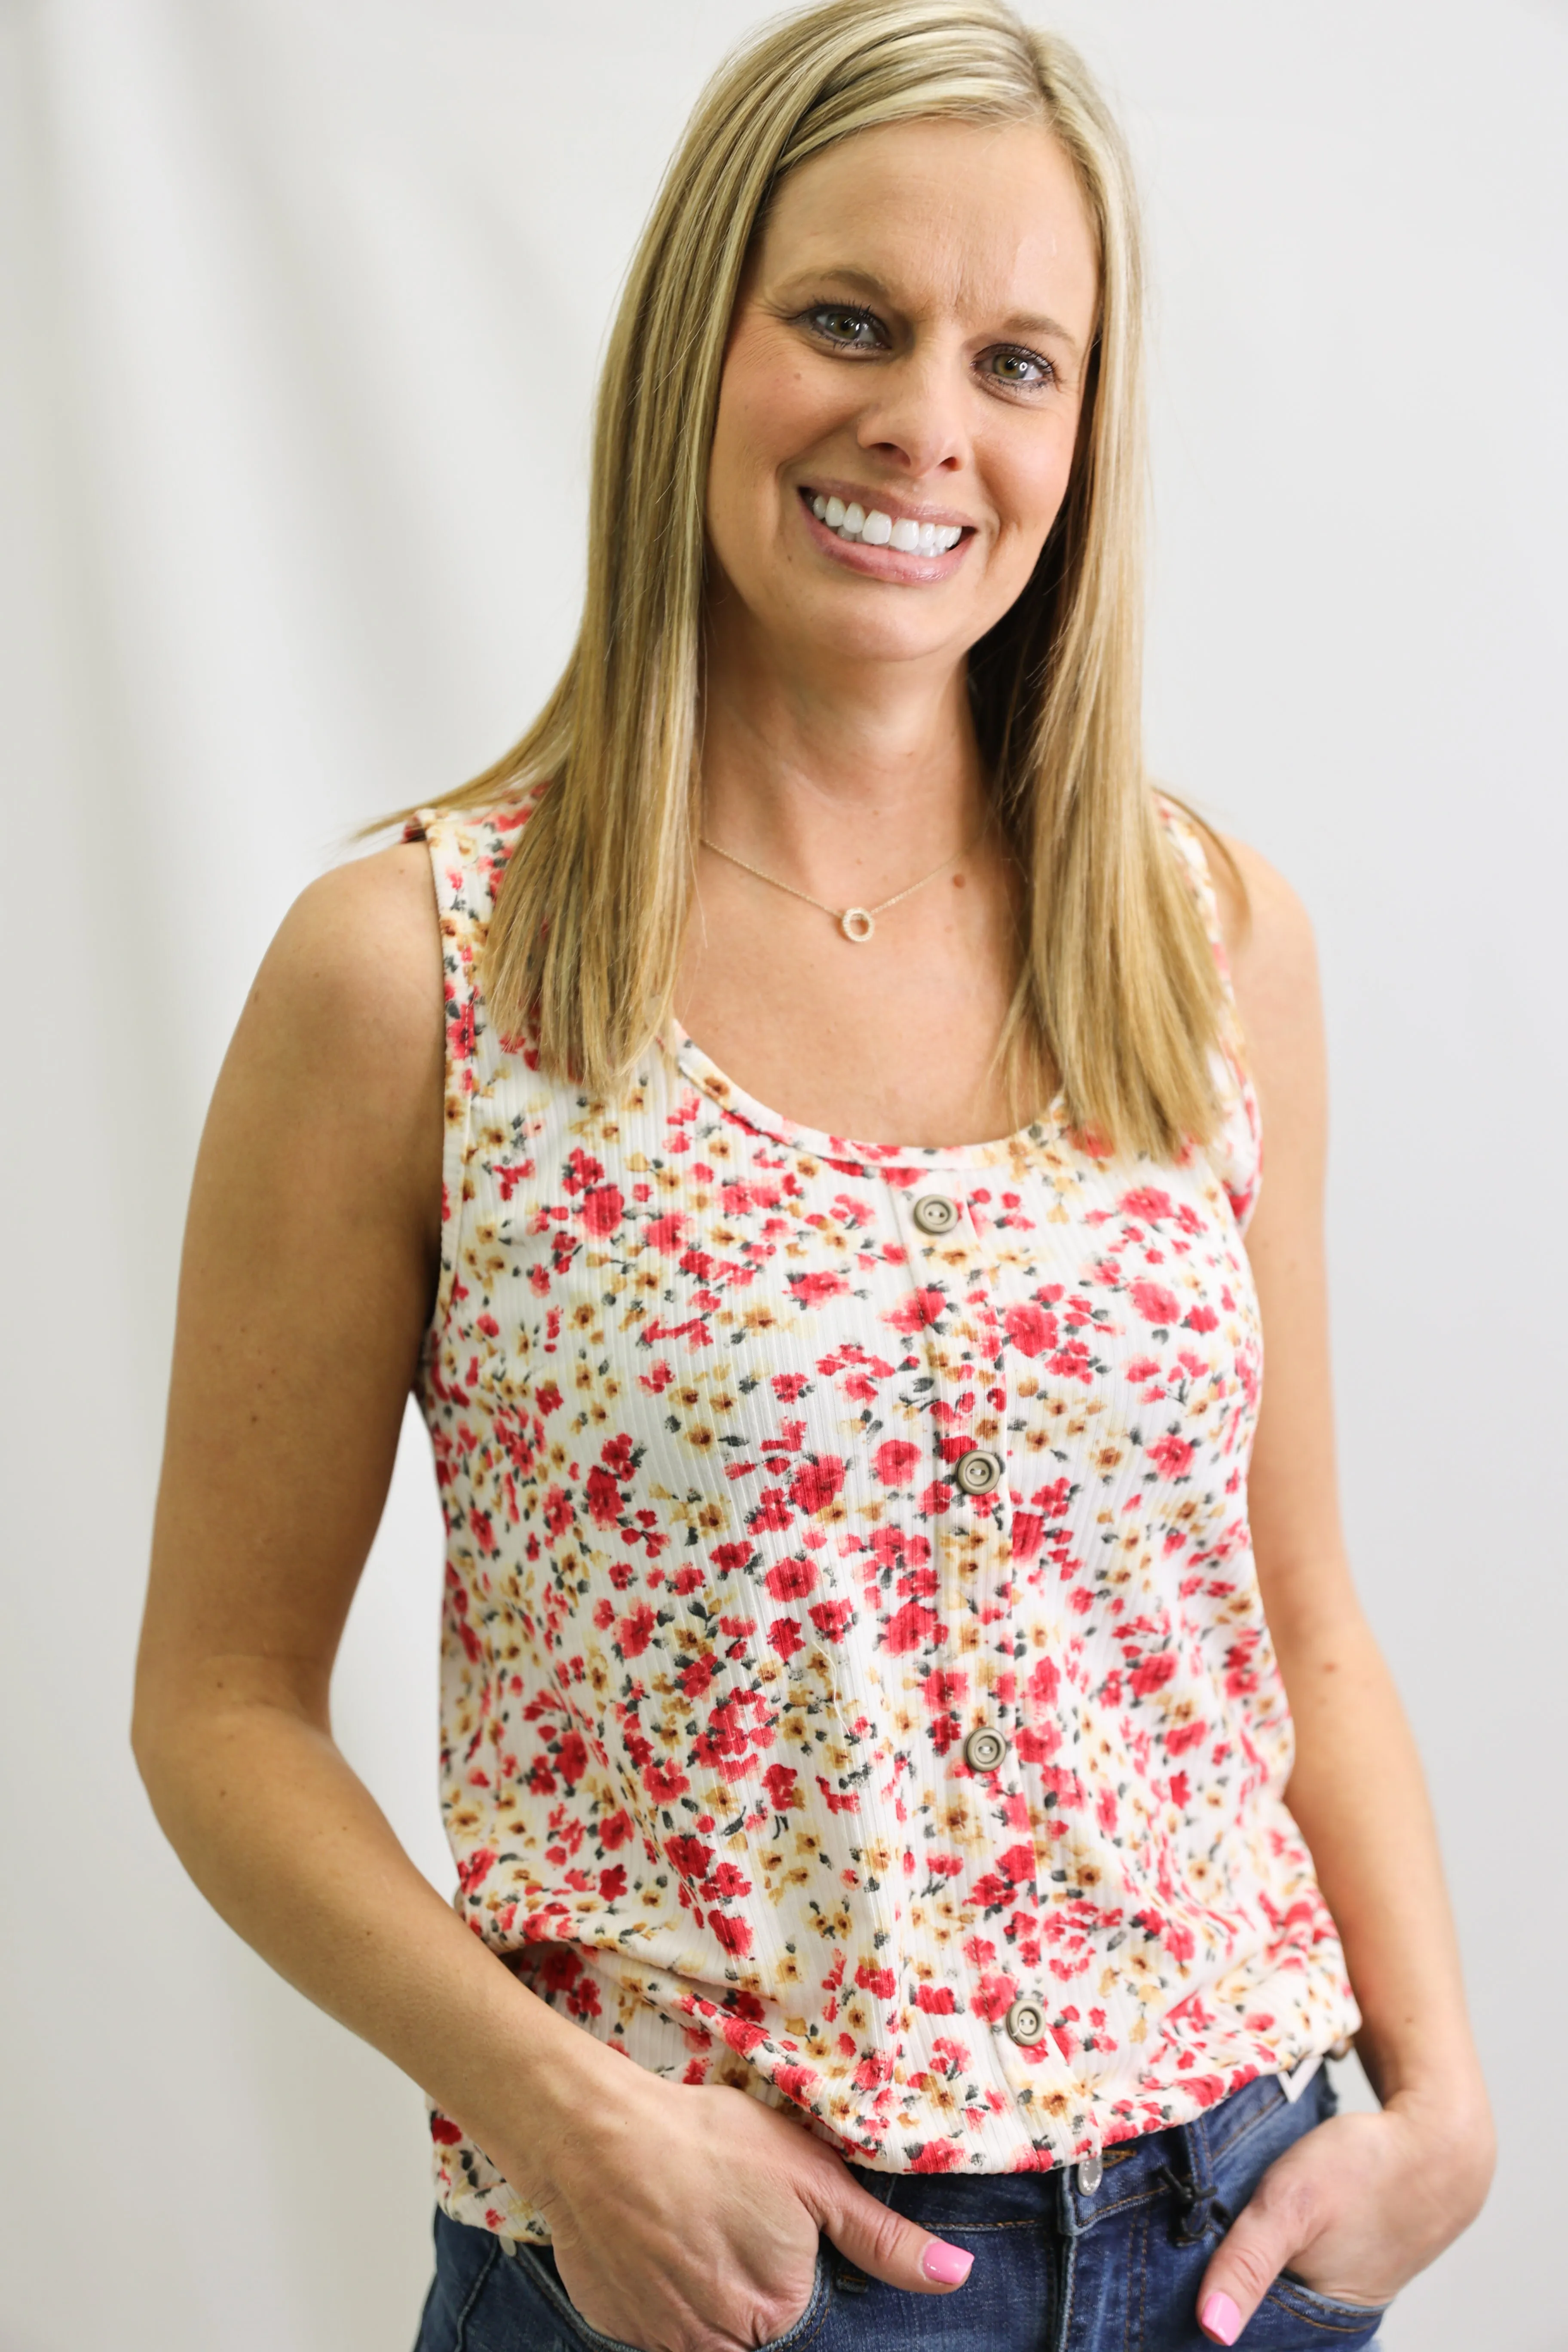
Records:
x=1022, y=323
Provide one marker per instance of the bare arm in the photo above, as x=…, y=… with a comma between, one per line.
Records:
x=308, y=1271
x=1397, y=2188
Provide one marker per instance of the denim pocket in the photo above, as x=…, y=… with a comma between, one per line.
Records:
x=1292, y=2317
x=536, y=2269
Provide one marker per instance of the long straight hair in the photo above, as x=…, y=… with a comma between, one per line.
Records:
x=1119, y=991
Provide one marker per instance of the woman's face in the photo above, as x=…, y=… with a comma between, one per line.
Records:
x=907, y=354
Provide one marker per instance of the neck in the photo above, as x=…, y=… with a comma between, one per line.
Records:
x=862, y=767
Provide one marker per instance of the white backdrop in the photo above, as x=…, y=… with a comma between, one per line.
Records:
x=299, y=303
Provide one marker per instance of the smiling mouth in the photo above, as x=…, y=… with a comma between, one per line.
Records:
x=872, y=528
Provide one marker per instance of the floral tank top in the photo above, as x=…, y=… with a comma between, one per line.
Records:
x=855, y=1683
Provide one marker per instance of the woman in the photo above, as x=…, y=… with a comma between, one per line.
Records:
x=858, y=1689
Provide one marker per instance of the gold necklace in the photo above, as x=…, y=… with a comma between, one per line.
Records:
x=855, y=922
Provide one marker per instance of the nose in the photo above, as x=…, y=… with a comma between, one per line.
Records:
x=915, y=419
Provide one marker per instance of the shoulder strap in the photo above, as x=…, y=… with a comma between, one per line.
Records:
x=1235, y=1151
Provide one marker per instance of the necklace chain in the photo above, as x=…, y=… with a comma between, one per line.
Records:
x=855, y=922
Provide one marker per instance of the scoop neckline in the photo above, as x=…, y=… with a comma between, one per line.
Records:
x=705, y=1074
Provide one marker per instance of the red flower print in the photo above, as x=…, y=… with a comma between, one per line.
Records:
x=832, y=1618
x=691, y=1858
x=734, y=1934
x=937, y=2000
x=874, y=1979
x=665, y=1232
x=1172, y=1455
x=926, y=1307
x=604, y=1497
x=785, y=1638
x=936, y=2155
x=613, y=1882
x=637, y=1630
x=580, y=1171
x=602, y=1209
x=663, y=1783
x=1029, y=1534
x=816, y=1484
x=1030, y=1328
x=1202, y=1319
x=909, y=1627
x=896, y=1460
x=817, y=1289
x=797, y=2083
x=444, y=2132
x=1154, y=1302
x=771, y=1512
x=1146, y=1204
x=475, y=1866
x=992, y=1996
x=783, y=1786
x=792, y=1580
x=1153, y=1674
x=571, y=1759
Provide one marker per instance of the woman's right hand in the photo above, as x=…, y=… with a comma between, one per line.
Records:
x=687, y=2220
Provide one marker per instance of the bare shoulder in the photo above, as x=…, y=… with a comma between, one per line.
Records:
x=336, y=1068
x=354, y=973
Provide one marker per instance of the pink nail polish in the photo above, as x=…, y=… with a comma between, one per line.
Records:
x=946, y=2265
x=1221, y=2318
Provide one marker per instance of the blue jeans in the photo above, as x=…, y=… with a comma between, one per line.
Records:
x=1055, y=2270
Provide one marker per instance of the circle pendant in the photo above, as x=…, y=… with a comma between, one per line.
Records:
x=855, y=924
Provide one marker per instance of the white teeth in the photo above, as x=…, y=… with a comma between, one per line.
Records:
x=879, y=530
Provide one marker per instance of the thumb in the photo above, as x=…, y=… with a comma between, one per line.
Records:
x=1252, y=2255
x=887, y=2247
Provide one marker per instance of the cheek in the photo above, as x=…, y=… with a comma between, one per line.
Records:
x=1029, y=486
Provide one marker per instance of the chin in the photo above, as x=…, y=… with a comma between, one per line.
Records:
x=875, y=637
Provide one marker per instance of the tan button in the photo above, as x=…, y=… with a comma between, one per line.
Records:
x=933, y=1213
x=977, y=1472
x=983, y=1750
x=1026, y=2023
x=1090, y=2173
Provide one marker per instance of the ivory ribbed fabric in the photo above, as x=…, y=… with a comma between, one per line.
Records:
x=855, y=1683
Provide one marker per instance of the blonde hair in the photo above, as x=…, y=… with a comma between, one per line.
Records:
x=1119, y=988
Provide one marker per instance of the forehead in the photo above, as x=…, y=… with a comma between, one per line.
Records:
x=974, y=218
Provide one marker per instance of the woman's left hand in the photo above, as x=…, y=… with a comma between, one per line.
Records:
x=1353, y=2210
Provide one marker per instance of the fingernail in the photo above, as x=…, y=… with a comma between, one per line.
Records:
x=1220, y=2316
x=946, y=2265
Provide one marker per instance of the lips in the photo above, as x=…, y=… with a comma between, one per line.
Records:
x=901, y=545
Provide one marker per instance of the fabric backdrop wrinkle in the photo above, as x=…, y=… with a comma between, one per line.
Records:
x=301, y=304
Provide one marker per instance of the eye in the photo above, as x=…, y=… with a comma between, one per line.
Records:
x=1010, y=363
x=843, y=324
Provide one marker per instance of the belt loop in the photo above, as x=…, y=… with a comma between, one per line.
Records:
x=1195, y=2190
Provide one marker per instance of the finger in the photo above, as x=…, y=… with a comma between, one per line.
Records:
x=887, y=2247
x=1250, y=2258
